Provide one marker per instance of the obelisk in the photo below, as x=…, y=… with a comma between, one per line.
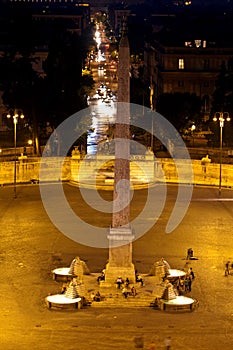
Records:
x=120, y=234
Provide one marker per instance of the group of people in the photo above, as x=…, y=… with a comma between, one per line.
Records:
x=125, y=285
x=96, y=296
x=126, y=291
x=184, y=284
x=125, y=288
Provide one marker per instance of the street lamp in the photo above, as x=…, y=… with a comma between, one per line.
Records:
x=193, y=128
x=221, y=117
x=15, y=117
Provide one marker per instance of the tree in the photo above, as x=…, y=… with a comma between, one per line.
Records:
x=66, y=88
x=17, y=76
x=179, y=108
x=139, y=92
x=223, y=102
x=223, y=94
x=63, y=90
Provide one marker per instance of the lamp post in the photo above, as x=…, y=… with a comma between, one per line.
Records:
x=193, y=128
x=15, y=117
x=221, y=117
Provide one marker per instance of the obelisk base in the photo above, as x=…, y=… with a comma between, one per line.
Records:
x=120, y=256
x=113, y=272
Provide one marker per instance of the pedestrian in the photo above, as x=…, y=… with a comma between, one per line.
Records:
x=97, y=296
x=119, y=282
x=189, y=284
x=167, y=343
x=186, y=284
x=181, y=286
x=227, y=265
x=191, y=273
x=151, y=346
x=133, y=291
x=189, y=254
x=139, y=279
x=101, y=277
x=125, y=292
x=127, y=282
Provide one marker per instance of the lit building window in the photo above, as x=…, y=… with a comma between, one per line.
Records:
x=198, y=43
x=181, y=63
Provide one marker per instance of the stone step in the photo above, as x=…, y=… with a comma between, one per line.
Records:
x=113, y=297
x=122, y=302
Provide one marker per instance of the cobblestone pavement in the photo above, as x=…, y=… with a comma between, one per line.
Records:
x=31, y=247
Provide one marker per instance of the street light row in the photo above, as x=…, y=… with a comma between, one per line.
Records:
x=15, y=117
x=219, y=116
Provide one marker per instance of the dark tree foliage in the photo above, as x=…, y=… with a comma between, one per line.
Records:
x=62, y=90
x=87, y=39
x=137, y=31
x=66, y=89
x=19, y=83
x=139, y=93
x=223, y=102
x=17, y=79
x=63, y=68
x=17, y=76
x=17, y=30
x=223, y=94
x=179, y=108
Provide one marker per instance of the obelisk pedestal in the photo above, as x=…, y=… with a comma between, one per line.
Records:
x=120, y=257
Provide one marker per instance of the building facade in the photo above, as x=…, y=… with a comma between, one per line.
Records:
x=187, y=51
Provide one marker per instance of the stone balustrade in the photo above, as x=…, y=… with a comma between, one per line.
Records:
x=143, y=169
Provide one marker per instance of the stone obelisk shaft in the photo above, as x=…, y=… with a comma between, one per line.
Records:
x=122, y=138
x=120, y=234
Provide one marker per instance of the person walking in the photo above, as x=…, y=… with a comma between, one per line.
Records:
x=189, y=254
x=151, y=346
x=186, y=284
x=167, y=343
x=227, y=266
x=189, y=284
x=191, y=273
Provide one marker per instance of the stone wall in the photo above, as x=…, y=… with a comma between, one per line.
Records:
x=91, y=171
x=28, y=169
x=207, y=174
